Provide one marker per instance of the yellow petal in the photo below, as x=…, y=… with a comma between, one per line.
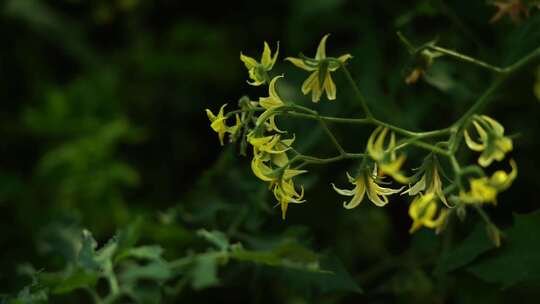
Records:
x=249, y=62
x=481, y=131
x=290, y=173
x=266, y=59
x=345, y=192
x=472, y=144
x=330, y=87
x=272, y=89
x=420, y=185
x=496, y=126
x=261, y=170
x=301, y=64
x=321, y=49
x=344, y=58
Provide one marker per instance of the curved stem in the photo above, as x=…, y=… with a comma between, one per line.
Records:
x=332, y=137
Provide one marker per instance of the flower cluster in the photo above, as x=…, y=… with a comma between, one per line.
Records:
x=433, y=199
x=270, y=161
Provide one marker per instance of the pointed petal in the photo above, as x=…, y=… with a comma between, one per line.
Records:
x=274, y=59
x=290, y=173
x=272, y=88
x=266, y=58
x=416, y=188
x=345, y=192
x=249, y=62
x=471, y=143
x=210, y=115
x=344, y=58
x=330, y=87
x=309, y=83
x=357, y=198
x=497, y=127
x=480, y=130
x=300, y=63
x=321, y=49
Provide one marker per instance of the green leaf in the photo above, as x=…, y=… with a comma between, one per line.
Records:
x=76, y=280
x=156, y=271
x=334, y=278
x=466, y=251
x=218, y=238
x=204, y=272
x=287, y=254
x=141, y=252
x=518, y=260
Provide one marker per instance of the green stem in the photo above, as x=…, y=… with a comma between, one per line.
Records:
x=485, y=98
x=483, y=215
x=231, y=113
x=316, y=160
x=466, y=58
x=357, y=91
x=332, y=137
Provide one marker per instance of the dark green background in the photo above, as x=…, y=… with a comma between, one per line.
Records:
x=102, y=122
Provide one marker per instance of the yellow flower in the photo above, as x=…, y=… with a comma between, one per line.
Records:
x=320, y=79
x=430, y=182
x=270, y=103
x=218, y=123
x=280, y=181
x=493, y=144
x=366, y=183
x=285, y=191
x=386, y=158
x=423, y=211
x=272, y=144
x=258, y=71
x=485, y=190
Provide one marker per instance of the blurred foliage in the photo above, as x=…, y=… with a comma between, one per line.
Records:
x=113, y=189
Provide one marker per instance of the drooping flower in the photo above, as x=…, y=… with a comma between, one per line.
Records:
x=258, y=71
x=423, y=212
x=366, y=182
x=320, y=67
x=430, y=181
x=493, y=144
x=272, y=144
x=271, y=164
x=219, y=125
x=285, y=191
x=485, y=189
x=389, y=163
